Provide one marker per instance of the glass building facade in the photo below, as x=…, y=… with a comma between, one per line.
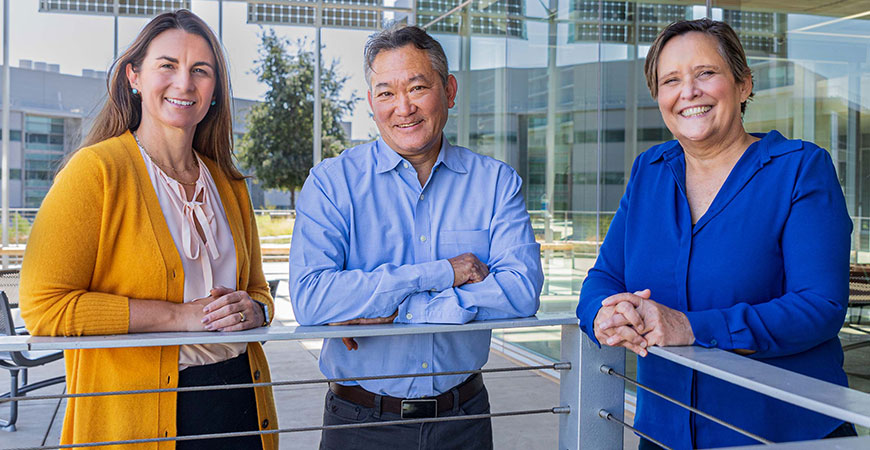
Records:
x=555, y=88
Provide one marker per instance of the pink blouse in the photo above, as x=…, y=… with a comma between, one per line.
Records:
x=207, y=263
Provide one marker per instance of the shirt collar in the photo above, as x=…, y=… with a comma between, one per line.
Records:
x=771, y=144
x=664, y=150
x=387, y=159
x=450, y=157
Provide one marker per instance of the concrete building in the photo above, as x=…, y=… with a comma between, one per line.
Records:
x=50, y=114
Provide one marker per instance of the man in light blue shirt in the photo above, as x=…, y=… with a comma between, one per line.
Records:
x=410, y=229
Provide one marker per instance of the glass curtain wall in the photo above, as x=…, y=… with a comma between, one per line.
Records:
x=555, y=88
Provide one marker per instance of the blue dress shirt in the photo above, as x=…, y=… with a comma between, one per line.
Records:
x=766, y=268
x=369, y=240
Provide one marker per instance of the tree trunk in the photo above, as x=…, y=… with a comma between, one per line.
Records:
x=293, y=198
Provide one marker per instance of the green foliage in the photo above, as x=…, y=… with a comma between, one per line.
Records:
x=269, y=226
x=278, y=144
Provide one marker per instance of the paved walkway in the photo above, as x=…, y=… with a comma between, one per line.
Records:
x=301, y=406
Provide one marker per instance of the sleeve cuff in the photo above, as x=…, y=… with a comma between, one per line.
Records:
x=436, y=275
x=413, y=308
x=710, y=329
x=586, y=312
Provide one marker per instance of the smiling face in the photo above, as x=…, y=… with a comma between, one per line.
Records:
x=176, y=81
x=409, y=101
x=697, y=95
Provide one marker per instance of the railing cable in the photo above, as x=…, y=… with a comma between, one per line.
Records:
x=609, y=371
x=555, y=410
x=606, y=415
x=223, y=387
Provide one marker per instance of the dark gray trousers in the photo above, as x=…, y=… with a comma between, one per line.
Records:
x=460, y=434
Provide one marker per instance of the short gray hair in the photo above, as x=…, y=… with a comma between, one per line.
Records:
x=400, y=35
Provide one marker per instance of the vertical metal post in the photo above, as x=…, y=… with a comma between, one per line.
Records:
x=221, y=20
x=552, y=94
x=599, y=147
x=586, y=390
x=115, y=14
x=499, y=113
x=318, y=107
x=633, y=64
x=463, y=128
x=853, y=179
x=5, y=136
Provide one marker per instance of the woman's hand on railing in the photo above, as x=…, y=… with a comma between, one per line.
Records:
x=619, y=323
x=231, y=311
x=640, y=316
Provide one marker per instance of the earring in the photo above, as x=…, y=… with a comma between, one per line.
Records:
x=135, y=91
x=213, y=102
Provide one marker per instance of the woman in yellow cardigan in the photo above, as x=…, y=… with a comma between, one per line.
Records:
x=142, y=233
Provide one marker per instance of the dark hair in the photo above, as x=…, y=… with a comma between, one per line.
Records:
x=123, y=110
x=728, y=43
x=400, y=35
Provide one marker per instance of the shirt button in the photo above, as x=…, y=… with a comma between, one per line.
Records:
x=256, y=374
x=713, y=342
x=421, y=196
x=405, y=165
x=409, y=316
x=425, y=365
x=265, y=423
x=422, y=238
x=173, y=274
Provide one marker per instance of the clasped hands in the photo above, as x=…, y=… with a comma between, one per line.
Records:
x=224, y=309
x=467, y=269
x=636, y=322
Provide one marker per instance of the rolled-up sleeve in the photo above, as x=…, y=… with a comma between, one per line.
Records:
x=513, y=286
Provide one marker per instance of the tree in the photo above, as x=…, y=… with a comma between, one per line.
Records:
x=279, y=141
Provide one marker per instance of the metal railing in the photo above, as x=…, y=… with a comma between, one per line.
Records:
x=592, y=380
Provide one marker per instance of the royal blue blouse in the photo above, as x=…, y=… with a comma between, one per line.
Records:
x=766, y=268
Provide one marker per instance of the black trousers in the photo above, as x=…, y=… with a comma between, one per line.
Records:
x=844, y=430
x=457, y=435
x=205, y=412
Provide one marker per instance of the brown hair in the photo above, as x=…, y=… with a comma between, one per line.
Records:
x=728, y=43
x=123, y=110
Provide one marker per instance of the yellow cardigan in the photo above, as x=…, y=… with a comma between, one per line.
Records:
x=99, y=239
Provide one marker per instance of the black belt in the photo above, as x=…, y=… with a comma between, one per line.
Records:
x=410, y=407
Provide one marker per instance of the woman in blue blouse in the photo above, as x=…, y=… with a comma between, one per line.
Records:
x=723, y=239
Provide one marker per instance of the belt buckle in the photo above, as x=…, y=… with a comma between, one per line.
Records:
x=419, y=408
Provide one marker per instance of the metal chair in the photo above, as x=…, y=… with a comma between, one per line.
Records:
x=19, y=362
x=273, y=287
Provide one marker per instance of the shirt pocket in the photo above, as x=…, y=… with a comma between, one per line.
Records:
x=456, y=242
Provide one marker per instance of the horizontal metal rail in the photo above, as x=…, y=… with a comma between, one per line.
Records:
x=225, y=387
x=816, y=395
x=849, y=443
x=271, y=333
x=755, y=437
